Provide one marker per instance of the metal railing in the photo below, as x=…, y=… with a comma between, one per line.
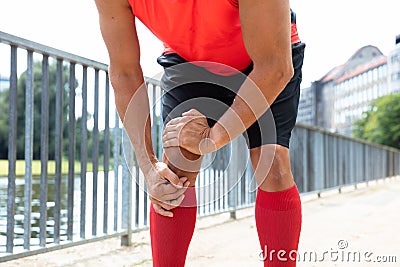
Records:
x=323, y=160
x=70, y=214
x=105, y=197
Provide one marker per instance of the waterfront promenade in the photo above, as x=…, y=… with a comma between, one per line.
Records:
x=355, y=228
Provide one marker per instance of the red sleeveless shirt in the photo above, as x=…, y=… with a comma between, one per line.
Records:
x=205, y=30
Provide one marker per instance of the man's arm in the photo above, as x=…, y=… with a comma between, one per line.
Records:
x=266, y=35
x=118, y=29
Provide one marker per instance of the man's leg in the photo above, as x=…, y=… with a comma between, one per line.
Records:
x=278, y=205
x=170, y=237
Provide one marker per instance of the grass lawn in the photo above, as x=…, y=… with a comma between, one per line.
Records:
x=36, y=167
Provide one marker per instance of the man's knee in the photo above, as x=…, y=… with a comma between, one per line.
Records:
x=182, y=162
x=271, y=164
x=280, y=164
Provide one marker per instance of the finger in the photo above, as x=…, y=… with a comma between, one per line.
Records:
x=168, y=189
x=170, y=204
x=171, y=143
x=175, y=195
x=183, y=179
x=192, y=112
x=158, y=209
x=172, y=128
x=177, y=121
x=169, y=175
x=169, y=135
x=163, y=204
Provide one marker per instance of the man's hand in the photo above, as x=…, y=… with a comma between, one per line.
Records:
x=191, y=132
x=166, y=190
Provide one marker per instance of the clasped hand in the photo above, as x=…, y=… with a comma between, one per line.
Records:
x=166, y=190
x=191, y=132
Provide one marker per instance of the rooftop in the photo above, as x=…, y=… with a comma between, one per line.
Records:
x=365, y=58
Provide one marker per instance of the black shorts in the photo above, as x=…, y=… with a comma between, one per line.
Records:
x=187, y=86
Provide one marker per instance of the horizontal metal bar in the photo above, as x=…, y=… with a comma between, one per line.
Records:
x=52, y=52
x=361, y=141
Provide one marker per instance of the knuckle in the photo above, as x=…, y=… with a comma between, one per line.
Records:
x=173, y=121
x=169, y=123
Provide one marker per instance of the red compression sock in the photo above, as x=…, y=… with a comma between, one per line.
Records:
x=278, y=220
x=170, y=237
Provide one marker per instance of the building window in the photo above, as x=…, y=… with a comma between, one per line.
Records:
x=395, y=76
x=375, y=74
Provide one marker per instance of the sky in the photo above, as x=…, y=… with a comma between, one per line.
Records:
x=332, y=30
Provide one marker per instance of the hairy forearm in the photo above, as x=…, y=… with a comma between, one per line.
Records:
x=254, y=97
x=132, y=104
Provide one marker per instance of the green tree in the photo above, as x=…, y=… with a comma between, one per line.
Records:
x=381, y=124
x=37, y=85
x=3, y=124
x=37, y=97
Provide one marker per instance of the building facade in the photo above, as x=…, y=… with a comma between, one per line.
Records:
x=307, y=106
x=341, y=96
x=354, y=91
x=394, y=68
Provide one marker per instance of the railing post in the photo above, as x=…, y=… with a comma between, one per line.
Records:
x=44, y=146
x=83, y=149
x=95, y=152
x=116, y=155
x=84, y=154
x=71, y=151
x=28, y=150
x=12, y=151
x=232, y=179
x=126, y=189
x=106, y=154
x=303, y=153
x=58, y=149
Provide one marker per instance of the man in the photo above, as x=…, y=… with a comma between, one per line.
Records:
x=211, y=46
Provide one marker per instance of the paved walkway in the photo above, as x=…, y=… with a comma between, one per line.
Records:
x=363, y=224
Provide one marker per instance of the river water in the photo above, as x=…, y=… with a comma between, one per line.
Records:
x=35, y=215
